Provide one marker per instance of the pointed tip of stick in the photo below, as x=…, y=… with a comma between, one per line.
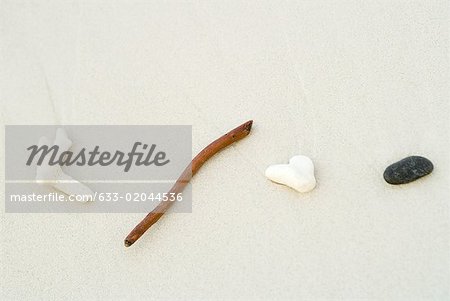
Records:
x=248, y=125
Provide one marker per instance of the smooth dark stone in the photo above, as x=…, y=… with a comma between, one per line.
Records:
x=407, y=170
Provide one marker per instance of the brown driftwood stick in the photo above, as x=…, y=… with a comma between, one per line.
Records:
x=234, y=135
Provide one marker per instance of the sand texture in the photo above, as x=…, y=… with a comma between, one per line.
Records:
x=354, y=85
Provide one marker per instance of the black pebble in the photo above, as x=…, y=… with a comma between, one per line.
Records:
x=407, y=170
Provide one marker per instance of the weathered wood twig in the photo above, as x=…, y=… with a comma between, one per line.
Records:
x=234, y=135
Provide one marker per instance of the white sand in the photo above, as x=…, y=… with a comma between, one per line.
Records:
x=354, y=85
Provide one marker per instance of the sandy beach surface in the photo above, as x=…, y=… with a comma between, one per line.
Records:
x=354, y=85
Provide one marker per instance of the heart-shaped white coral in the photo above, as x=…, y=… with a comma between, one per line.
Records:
x=298, y=174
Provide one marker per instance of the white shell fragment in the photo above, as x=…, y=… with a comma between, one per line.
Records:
x=54, y=176
x=298, y=174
